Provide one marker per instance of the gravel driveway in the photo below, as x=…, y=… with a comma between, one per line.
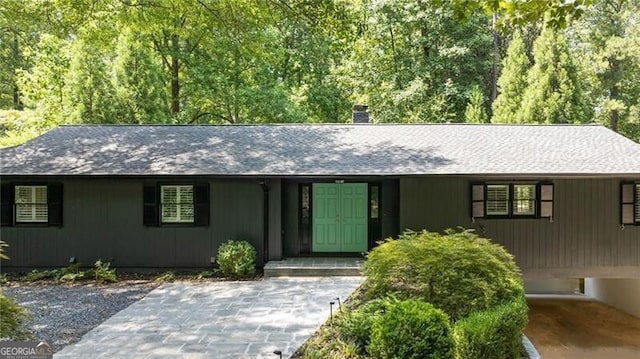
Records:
x=62, y=313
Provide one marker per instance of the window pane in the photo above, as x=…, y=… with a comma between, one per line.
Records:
x=24, y=194
x=169, y=212
x=305, y=201
x=169, y=194
x=497, y=199
x=186, y=213
x=374, y=201
x=186, y=194
x=524, y=199
x=177, y=204
x=31, y=204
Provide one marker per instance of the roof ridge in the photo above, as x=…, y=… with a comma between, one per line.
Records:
x=311, y=124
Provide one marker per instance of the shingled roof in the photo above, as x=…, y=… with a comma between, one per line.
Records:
x=324, y=150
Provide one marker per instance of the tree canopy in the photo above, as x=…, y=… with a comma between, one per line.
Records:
x=246, y=61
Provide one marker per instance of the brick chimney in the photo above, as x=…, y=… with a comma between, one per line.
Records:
x=359, y=114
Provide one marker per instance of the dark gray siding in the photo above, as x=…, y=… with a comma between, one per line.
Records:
x=291, y=224
x=584, y=239
x=103, y=220
x=275, y=219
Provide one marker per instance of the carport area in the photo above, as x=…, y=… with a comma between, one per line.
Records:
x=576, y=326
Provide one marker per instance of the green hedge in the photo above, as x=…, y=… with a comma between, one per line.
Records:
x=458, y=272
x=411, y=329
x=494, y=333
x=356, y=325
x=237, y=258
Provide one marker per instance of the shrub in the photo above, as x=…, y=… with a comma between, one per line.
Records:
x=103, y=273
x=494, y=333
x=356, y=325
x=12, y=319
x=458, y=272
x=237, y=258
x=411, y=329
x=167, y=276
x=36, y=275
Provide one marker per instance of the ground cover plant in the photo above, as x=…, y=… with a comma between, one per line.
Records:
x=430, y=295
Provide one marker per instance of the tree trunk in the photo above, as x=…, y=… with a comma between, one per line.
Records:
x=494, y=65
x=17, y=102
x=175, y=70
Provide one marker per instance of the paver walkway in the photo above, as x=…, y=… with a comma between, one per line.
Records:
x=216, y=320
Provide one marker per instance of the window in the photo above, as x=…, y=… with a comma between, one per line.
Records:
x=374, y=201
x=177, y=204
x=524, y=200
x=630, y=200
x=497, y=200
x=512, y=200
x=31, y=204
x=184, y=204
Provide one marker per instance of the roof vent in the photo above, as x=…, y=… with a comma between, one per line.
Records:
x=359, y=114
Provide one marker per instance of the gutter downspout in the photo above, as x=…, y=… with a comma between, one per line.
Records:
x=265, y=219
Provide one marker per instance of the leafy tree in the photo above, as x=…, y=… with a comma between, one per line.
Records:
x=512, y=82
x=554, y=93
x=608, y=50
x=416, y=63
x=137, y=81
x=476, y=111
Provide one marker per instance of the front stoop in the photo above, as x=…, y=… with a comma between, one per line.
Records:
x=314, y=267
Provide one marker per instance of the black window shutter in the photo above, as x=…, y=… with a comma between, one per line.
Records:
x=6, y=204
x=546, y=196
x=54, y=204
x=477, y=200
x=627, y=203
x=150, y=206
x=201, y=204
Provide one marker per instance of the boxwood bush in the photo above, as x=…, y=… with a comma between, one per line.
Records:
x=237, y=258
x=493, y=333
x=411, y=329
x=356, y=325
x=458, y=272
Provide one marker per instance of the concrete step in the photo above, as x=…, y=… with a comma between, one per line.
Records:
x=313, y=267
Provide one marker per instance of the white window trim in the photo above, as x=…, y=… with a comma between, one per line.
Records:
x=33, y=203
x=514, y=199
x=178, y=204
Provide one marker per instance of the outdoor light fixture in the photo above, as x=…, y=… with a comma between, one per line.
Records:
x=331, y=310
x=339, y=302
x=278, y=352
x=212, y=260
x=72, y=260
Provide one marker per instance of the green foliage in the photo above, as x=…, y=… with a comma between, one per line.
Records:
x=17, y=127
x=458, y=272
x=356, y=325
x=237, y=258
x=411, y=329
x=3, y=245
x=554, y=93
x=168, y=276
x=512, y=82
x=101, y=273
x=475, y=111
x=12, y=320
x=206, y=274
x=493, y=333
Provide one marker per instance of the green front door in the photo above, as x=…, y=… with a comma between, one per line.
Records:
x=339, y=217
